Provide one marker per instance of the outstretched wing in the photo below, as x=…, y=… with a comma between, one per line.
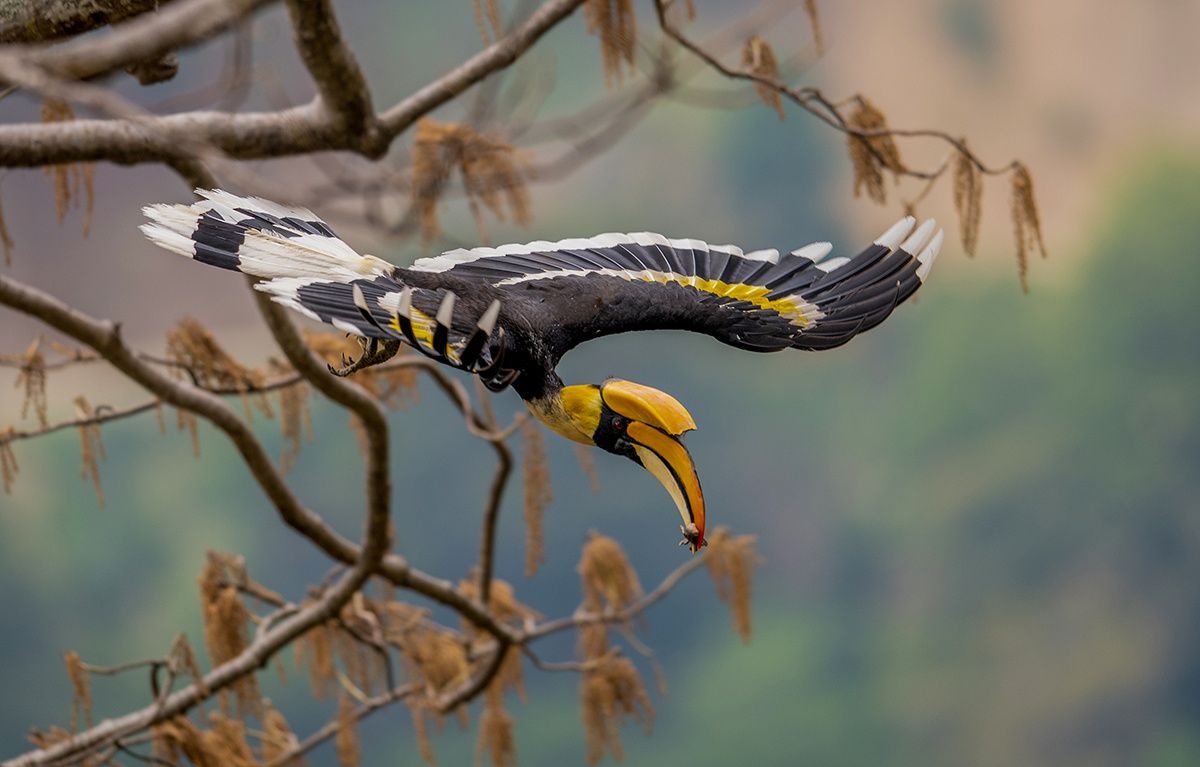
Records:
x=563, y=293
x=307, y=268
x=759, y=301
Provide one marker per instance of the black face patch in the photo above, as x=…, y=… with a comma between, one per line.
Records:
x=610, y=434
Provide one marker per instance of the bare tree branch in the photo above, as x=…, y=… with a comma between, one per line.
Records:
x=565, y=665
x=588, y=132
x=491, y=512
x=103, y=414
x=815, y=103
x=477, y=684
x=244, y=135
x=585, y=617
x=254, y=657
x=333, y=67
x=301, y=129
x=74, y=357
x=104, y=337
x=174, y=26
x=330, y=729
x=25, y=22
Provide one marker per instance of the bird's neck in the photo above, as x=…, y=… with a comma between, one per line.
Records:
x=531, y=386
x=545, y=401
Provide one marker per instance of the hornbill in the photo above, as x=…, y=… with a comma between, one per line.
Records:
x=508, y=314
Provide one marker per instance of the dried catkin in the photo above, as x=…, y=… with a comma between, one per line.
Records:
x=1027, y=225
x=615, y=23
x=759, y=59
x=968, y=200
x=731, y=561
x=493, y=174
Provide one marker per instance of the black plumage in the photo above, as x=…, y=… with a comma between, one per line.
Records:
x=552, y=296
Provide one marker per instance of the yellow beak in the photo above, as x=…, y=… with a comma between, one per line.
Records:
x=642, y=403
x=668, y=460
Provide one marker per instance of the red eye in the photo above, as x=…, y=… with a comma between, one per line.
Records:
x=618, y=423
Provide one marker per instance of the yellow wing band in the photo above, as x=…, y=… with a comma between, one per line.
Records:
x=422, y=327
x=799, y=313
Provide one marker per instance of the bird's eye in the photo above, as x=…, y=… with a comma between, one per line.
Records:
x=618, y=423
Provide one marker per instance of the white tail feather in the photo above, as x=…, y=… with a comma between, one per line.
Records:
x=262, y=254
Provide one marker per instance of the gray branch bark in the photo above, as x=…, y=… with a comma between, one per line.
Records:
x=255, y=135
x=40, y=21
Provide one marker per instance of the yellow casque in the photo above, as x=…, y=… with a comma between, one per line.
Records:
x=651, y=406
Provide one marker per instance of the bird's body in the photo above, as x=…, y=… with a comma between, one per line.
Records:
x=509, y=314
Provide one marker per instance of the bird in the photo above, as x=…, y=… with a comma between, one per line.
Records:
x=508, y=314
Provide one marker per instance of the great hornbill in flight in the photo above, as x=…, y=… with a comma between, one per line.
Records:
x=508, y=314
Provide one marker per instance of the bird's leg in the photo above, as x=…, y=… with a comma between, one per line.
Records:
x=375, y=351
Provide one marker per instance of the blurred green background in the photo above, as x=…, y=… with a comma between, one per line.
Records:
x=981, y=521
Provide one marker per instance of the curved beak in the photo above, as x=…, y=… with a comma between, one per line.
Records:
x=668, y=460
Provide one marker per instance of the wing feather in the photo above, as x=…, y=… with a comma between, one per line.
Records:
x=568, y=291
x=302, y=263
x=759, y=300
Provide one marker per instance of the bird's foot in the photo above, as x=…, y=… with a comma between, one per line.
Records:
x=375, y=352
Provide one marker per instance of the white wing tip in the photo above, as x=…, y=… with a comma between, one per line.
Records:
x=896, y=232
x=291, y=303
x=916, y=243
x=445, y=313
x=833, y=263
x=168, y=238
x=770, y=255
x=814, y=251
x=487, y=323
x=929, y=255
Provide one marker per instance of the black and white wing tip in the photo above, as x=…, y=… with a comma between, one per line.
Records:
x=257, y=237
x=814, y=251
x=847, y=296
x=924, y=244
x=929, y=255
x=896, y=233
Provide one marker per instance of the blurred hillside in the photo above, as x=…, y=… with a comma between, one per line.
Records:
x=981, y=521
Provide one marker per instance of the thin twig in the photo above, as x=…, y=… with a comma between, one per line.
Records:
x=815, y=103
x=146, y=758
x=76, y=357
x=491, y=512
x=121, y=668
x=477, y=684
x=331, y=728
x=585, y=617
x=566, y=665
x=103, y=414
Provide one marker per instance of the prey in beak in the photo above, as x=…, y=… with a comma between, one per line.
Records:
x=645, y=425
